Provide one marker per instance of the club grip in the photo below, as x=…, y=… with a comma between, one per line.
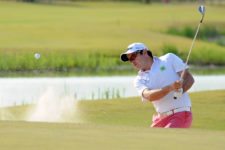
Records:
x=177, y=94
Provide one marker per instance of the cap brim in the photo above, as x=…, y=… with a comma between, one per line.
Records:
x=124, y=57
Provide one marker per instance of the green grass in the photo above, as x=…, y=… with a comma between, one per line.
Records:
x=119, y=124
x=88, y=37
x=34, y=136
x=207, y=109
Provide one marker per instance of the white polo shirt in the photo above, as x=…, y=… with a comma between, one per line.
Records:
x=163, y=72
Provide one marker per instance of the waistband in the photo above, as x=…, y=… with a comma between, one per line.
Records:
x=176, y=110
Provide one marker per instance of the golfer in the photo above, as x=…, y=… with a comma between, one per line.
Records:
x=158, y=80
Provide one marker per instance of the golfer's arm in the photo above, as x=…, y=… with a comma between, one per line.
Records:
x=188, y=80
x=156, y=94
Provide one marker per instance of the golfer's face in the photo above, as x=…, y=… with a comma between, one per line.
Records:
x=135, y=59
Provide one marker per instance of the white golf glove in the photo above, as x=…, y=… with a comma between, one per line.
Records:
x=177, y=94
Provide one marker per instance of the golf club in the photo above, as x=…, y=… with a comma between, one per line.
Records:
x=179, y=93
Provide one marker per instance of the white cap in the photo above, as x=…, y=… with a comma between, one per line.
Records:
x=134, y=47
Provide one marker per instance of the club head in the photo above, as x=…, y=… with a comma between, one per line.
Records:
x=201, y=9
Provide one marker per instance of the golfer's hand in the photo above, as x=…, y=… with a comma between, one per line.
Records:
x=177, y=85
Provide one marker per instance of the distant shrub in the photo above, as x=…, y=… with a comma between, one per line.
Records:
x=207, y=33
x=221, y=41
x=169, y=48
x=143, y=1
x=186, y=31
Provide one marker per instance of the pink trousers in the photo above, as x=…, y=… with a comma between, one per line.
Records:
x=177, y=120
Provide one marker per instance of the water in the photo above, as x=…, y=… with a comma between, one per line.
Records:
x=19, y=91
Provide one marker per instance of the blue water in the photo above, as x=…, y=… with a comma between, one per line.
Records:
x=18, y=91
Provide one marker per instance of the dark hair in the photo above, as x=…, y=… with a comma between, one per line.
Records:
x=148, y=52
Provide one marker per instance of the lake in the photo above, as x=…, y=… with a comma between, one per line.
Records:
x=19, y=91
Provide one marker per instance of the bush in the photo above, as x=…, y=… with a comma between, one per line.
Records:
x=169, y=48
x=207, y=33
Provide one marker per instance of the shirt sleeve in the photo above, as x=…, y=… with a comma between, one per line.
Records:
x=177, y=62
x=140, y=85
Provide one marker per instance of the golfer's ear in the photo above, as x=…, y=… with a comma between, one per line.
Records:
x=145, y=52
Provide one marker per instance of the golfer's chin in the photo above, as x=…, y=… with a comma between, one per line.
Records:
x=137, y=67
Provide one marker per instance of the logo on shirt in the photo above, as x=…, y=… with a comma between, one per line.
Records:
x=162, y=68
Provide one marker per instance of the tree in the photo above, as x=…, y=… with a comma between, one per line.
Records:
x=146, y=1
x=29, y=1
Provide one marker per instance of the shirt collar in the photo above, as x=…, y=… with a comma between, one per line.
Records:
x=155, y=60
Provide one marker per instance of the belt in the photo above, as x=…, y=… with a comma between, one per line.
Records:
x=176, y=110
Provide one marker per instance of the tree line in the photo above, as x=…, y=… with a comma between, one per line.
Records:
x=142, y=1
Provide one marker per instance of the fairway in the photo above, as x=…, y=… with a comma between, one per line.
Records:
x=34, y=136
x=98, y=26
x=87, y=38
x=118, y=124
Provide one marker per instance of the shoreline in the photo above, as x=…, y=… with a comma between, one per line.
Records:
x=116, y=71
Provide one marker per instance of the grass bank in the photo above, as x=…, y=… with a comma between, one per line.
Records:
x=89, y=37
x=132, y=112
x=119, y=124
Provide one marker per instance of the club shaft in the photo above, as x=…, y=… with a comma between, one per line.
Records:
x=189, y=53
x=190, y=50
x=202, y=11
